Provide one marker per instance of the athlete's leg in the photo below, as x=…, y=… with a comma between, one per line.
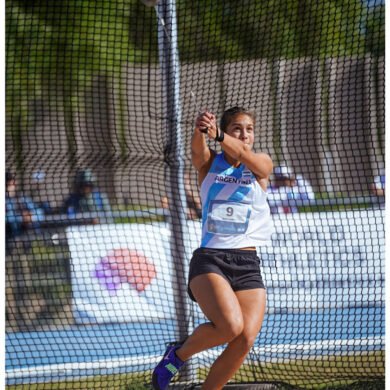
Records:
x=221, y=306
x=252, y=303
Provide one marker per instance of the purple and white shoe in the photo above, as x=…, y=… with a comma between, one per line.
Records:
x=168, y=367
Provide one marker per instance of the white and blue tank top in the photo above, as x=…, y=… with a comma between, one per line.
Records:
x=235, y=211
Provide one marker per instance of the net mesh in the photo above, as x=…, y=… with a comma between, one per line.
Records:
x=102, y=204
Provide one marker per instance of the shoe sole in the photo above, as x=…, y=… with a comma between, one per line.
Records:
x=155, y=384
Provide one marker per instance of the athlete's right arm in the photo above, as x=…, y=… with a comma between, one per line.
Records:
x=202, y=155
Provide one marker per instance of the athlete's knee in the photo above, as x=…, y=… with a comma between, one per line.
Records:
x=231, y=328
x=246, y=340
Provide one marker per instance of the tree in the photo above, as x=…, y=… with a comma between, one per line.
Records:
x=375, y=30
x=55, y=48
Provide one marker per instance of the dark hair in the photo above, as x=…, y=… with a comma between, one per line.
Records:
x=229, y=114
x=9, y=176
x=84, y=177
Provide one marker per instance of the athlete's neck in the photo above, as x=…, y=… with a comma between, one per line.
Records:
x=231, y=161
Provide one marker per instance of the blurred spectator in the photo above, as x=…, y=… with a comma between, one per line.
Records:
x=194, y=207
x=165, y=202
x=377, y=188
x=287, y=186
x=85, y=196
x=21, y=212
x=36, y=189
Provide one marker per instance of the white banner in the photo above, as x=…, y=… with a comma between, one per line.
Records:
x=121, y=272
x=325, y=260
x=316, y=260
x=322, y=260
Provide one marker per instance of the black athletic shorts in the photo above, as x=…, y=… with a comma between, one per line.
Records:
x=241, y=268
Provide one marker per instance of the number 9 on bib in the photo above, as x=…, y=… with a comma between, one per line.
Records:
x=226, y=217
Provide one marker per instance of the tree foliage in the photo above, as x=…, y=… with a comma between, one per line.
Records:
x=375, y=30
x=54, y=48
x=271, y=28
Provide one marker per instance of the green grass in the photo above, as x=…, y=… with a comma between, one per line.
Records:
x=357, y=372
x=103, y=382
x=336, y=207
x=157, y=218
x=319, y=372
x=148, y=219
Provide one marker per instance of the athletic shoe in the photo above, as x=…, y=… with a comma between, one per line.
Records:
x=169, y=365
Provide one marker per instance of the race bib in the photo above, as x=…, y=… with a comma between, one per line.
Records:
x=225, y=217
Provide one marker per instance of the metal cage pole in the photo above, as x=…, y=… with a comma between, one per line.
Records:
x=174, y=159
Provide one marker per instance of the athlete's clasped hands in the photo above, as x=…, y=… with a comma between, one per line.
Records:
x=206, y=122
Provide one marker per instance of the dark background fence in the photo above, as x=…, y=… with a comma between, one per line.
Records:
x=340, y=137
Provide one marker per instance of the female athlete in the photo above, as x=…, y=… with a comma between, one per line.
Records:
x=224, y=276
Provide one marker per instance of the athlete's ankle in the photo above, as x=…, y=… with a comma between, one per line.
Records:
x=179, y=354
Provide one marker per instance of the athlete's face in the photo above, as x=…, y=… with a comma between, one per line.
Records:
x=242, y=127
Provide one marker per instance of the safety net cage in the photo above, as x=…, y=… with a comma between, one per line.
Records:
x=103, y=209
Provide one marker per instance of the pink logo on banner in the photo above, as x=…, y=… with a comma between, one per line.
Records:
x=124, y=266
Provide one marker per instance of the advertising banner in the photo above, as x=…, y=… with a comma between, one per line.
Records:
x=121, y=272
x=316, y=260
x=325, y=260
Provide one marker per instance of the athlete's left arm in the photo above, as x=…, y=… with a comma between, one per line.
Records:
x=259, y=163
